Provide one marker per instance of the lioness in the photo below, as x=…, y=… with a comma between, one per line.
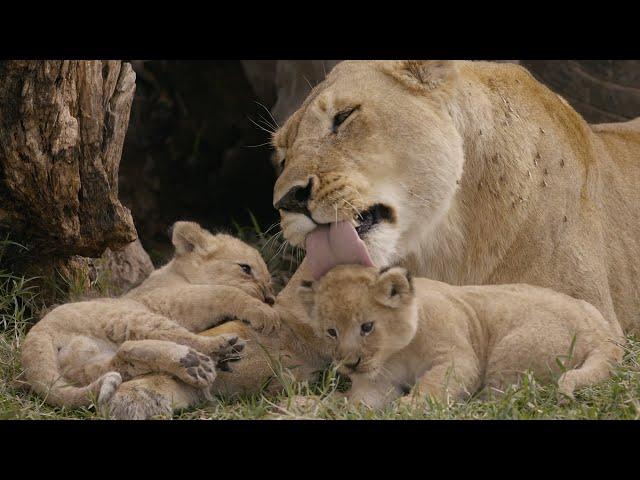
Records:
x=464, y=172
x=87, y=348
x=392, y=333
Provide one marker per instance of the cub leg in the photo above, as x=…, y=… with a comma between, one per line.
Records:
x=200, y=307
x=152, y=395
x=139, y=357
x=156, y=327
x=375, y=394
x=449, y=380
x=596, y=368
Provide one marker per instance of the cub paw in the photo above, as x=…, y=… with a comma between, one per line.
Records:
x=109, y=383
x=262, y=318
x=226, y=348
x=566, y=386
x=132, y=403
x=197, y=370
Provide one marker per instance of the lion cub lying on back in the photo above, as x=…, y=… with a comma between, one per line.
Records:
x=392, y=334
x=87, y=348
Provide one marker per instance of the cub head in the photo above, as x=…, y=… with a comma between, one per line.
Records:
x=374, y=145
x=204, y=258
x=364, y=314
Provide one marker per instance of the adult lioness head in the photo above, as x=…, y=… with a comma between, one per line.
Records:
x=372, y=155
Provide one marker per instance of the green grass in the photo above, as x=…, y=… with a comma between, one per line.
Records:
x=617, y=398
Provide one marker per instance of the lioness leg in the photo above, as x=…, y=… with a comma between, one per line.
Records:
x=139, y=357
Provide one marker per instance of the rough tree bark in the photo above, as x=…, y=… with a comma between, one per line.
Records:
x=62, y=126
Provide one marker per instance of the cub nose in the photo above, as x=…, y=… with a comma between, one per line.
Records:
x=269, y=300
x=354, y=365
x=295, y=200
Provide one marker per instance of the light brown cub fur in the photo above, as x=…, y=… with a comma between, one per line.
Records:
x=391, y=333
x=87, y=348
x=294, y=348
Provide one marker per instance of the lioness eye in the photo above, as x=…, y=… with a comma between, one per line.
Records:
x=366, y=328
x=340, y=117
x=332, y=333
x=245, y=268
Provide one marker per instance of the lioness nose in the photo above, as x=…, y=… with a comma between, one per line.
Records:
x=295, y=200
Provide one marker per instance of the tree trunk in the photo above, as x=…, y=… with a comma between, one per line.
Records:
x=62, y=127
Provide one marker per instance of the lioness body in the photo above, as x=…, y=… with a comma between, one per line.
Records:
x=86, y=348
x=489, y=178
x=447, y=341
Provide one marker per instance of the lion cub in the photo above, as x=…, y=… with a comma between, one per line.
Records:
x=87, y=348
x=392, y=334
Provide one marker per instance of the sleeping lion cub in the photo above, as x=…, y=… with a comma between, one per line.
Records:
x=392, y=334
x=86, y=349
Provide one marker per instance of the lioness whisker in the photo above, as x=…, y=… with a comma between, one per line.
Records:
x=267, y=122
x=269, y=113
x=270, y=132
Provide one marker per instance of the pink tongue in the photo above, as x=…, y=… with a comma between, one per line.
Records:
x=335, y=244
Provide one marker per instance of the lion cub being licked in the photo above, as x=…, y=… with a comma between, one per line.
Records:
x=86, y=349
x=392, y=334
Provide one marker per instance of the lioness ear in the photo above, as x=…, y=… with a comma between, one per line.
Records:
x=394, y=287
x=306, y=295
x=422, y=74
x=187, y=236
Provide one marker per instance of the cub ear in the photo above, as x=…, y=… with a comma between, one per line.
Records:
x=394, y=287
x=306, y=295
x=188, y=236
x=422, y=74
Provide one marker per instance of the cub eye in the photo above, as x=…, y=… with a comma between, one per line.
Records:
x=282, y=162
x=332, y=333
x=366, y=328
x=340, y=117
x=245, y=268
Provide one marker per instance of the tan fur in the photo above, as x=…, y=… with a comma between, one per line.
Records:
x=292, y=352
x=491, y=177
x=87, y=348
x=447, y=342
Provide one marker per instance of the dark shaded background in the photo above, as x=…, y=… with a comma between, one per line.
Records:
x=189, y=149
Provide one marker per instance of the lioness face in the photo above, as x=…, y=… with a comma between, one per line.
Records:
x=207, y=259
x=364, y=315
x=374, y=147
